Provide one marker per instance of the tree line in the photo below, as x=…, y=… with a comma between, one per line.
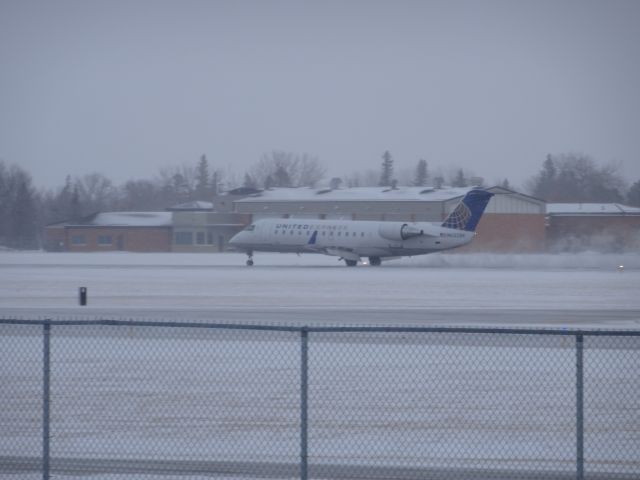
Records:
x=25, y=209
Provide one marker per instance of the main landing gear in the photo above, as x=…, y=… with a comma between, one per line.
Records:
x=250, y=259
x=373, y=261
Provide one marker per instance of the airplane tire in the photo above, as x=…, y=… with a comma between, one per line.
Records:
x=375, y=261
x=249, y=263
x=351, y=263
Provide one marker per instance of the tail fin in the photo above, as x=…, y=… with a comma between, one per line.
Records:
x=468, y=212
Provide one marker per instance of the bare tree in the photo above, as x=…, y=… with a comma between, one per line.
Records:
x=287, y=169
x=96, y=193
x=141, y=195
x=633, y=195
x=178, y=184
x=573, y=177
x=311, y=171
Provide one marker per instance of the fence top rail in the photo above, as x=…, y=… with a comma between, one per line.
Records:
x=329, y=329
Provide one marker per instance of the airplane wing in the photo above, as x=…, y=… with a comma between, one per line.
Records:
x=343, y=253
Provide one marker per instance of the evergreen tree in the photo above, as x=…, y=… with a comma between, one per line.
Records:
x=387, y=170
x=4, y=204
x=249, y=182
x=75, y=208
x=18, y=208
x=459, y=180
x=216, y=180
x=203, y=190
x=421, y=175
x=281, y=177
x=24, y=216
x=544, y=184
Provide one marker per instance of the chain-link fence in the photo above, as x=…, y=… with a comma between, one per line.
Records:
x=120, y=399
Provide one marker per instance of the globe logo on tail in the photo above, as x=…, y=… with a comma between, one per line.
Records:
x=459, y=217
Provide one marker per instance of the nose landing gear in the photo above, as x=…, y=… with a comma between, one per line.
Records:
x=250, y=259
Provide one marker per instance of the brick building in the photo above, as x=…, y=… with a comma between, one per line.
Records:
x=606, y=227
x=112, y=231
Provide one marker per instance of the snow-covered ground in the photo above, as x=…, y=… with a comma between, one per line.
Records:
x=381, y=400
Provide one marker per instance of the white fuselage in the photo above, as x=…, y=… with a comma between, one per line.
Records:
x=350, y=239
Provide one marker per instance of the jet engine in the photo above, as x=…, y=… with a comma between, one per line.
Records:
x=398, y=232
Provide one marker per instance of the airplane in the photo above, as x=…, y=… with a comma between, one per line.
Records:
x=350, y=240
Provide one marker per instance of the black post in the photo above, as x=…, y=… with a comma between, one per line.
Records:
x=82, y=293
x=304, y=398
x=579, y=408
x=46, y=382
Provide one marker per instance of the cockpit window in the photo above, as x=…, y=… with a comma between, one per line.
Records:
x=250, y=228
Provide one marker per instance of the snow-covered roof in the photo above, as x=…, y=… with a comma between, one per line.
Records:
x=131, y=219
x=369, y=194
x=195, y=205
x=591, y=209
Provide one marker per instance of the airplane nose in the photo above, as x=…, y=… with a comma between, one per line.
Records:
x=235, y=239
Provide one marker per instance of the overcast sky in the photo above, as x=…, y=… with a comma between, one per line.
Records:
x=127, y=87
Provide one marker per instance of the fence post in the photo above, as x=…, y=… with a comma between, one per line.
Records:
x=46, y=382
x=304, y=398
x=579, y=407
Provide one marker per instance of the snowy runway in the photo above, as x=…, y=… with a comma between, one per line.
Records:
x=571, y=289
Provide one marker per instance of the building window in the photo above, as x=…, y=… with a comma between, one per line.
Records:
x=209, y=238
x=200, y=238
x=184, y=238
x=78, y=240
x=105, y=240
